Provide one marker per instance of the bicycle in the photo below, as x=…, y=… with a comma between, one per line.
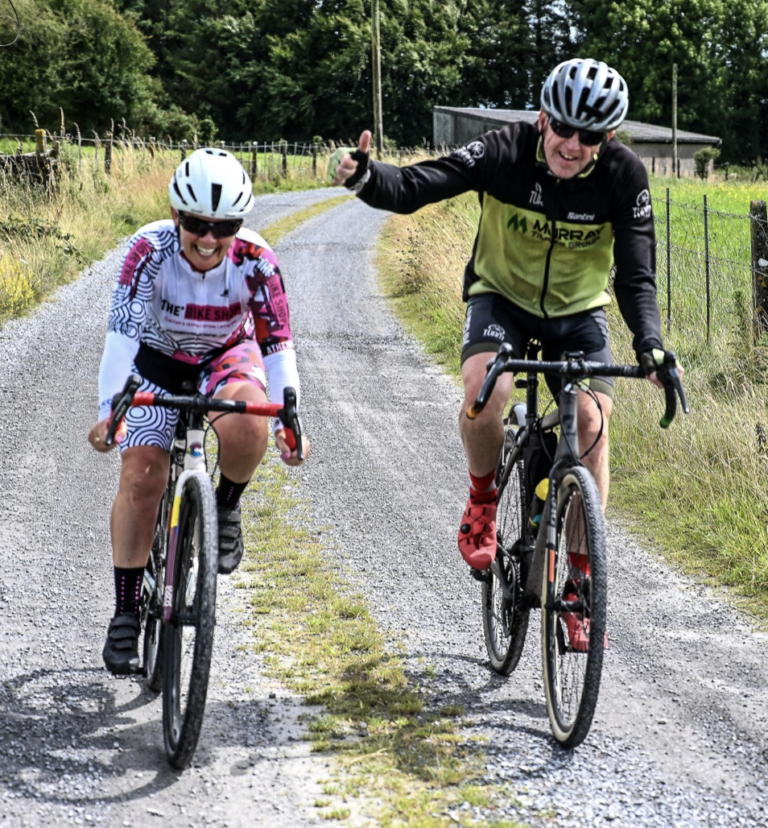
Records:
x=551, y=547
x=178, y=594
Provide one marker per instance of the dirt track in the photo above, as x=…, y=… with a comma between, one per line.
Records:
x=679, y=737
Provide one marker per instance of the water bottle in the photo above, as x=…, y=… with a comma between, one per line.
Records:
x=537, y=506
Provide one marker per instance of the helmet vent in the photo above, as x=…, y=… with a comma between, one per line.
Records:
x=215, y=196
x=211, y=183
x=178, y=191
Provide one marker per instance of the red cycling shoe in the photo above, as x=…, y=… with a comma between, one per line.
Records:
x=578, y=628
x=477, y=533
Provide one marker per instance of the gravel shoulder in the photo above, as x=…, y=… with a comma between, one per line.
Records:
x=679, y=739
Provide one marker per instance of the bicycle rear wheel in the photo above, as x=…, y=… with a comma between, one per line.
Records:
x=505, y=622
x=188, y=638
x=574, y=608
x=152, y=598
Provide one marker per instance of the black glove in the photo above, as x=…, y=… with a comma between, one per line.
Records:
x=362, y=168
x=651, y=361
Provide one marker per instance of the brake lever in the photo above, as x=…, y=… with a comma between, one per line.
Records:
x=494, y=367
x=673, y=388
x=289, y=417
x=121, y=402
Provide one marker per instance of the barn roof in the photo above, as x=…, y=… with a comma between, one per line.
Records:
x=638, y=131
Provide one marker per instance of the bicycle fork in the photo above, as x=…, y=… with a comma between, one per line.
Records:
x=567, y=455
x=194, y=461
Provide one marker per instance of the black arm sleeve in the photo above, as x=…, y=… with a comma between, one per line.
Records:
x=635, y=256
x=407, y=189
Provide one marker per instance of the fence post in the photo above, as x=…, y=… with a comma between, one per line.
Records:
x=40, y=154
x=314, y=160
x=706, y=264
x=79, y=153
x=284, y=151
x=108, y=154
x=39, y=143
x=759, y=234
x=254, y=159
x=669, y=268
x=96, y=145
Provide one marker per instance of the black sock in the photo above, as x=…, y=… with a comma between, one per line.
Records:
x=127, y=590
x=228, y=493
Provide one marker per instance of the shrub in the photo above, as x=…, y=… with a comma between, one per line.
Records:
x=702, y=159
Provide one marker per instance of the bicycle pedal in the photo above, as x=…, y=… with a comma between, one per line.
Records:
x=481, y=575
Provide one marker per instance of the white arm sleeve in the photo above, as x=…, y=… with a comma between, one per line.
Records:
x=116, y=364
x=282, y=372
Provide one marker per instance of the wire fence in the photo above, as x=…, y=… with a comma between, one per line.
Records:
x=712, y=269
x=712, y=266
x=37, y=156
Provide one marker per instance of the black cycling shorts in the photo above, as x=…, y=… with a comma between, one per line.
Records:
x=492, y=319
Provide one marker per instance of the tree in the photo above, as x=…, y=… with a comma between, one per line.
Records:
x=718, y=47
x=78, y=55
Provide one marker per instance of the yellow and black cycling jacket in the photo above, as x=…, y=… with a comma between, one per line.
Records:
x=547, y=244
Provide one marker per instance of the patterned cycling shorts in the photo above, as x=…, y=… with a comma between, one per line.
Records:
x=151, y=426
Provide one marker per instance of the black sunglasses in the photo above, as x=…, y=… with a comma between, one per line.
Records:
x=199, y=227
x=586, y=136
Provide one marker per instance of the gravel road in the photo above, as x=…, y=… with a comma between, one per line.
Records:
x=679, y=739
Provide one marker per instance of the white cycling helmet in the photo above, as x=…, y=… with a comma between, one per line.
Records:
x=585, y=94
x=211, y=183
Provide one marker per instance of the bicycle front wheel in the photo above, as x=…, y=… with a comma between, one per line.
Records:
x=188, y=638
x=505, y=622
x=574, y=599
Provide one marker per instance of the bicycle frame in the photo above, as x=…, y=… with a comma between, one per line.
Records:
x=573, y=368
x=182, y=466
x=192, y=419
x=566, y=456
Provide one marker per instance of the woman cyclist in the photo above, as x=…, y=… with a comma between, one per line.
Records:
x=198, y=298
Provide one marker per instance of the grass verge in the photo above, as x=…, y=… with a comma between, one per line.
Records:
x=401, y=759
x=697, y=490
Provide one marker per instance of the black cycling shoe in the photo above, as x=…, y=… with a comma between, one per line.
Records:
x=230, y=540
x=121, y=652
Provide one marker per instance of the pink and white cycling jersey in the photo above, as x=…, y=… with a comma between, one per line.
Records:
x=162, y=301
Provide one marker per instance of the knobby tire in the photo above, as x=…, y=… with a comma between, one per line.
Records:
x=572, y=672
x=152, y=598
x=505, y=620
x=188, y=638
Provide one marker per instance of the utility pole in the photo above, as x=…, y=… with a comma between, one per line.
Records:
x=378, y=126
x=675, y=162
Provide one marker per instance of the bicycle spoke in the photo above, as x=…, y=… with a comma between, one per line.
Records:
x=505, y=622
x=573, y=624
x=189, y=636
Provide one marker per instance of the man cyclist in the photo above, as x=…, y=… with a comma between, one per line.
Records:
x=561, y=203
x=198, y=299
